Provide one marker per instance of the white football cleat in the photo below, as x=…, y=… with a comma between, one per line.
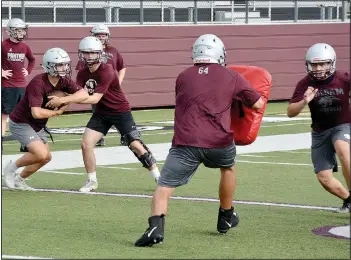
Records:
x=9, y=175
x=89, y=186
x=20, y=184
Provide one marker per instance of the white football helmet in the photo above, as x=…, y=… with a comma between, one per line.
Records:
x=54, y=57
x=12, y=29
x=91, y=44
x=101, y=29
x=320, y=53
x=208, y=48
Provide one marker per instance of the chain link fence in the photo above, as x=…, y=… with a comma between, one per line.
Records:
x=175, y=12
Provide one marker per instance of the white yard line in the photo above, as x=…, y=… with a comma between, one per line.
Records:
x=69, y=173
x=254, y=155
x=125, y=195
x=266, y=126
x=297, y=152
x=276, y=163
x=115, y=167
x=22, y=257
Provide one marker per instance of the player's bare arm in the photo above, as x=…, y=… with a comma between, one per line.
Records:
x=93, y=99
x=259, y=104
x=41, y=113
x=121, y=75
x=295, y=109
x=77, y=97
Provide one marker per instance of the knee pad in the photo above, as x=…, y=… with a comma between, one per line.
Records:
x=128, y=138
x=147, y=159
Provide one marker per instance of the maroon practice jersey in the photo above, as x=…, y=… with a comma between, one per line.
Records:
x=105, y=81
x=204, y=96
x=36, y=95
x=331, y=105
x=13, y=55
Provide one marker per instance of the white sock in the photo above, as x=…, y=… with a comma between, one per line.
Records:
x=19, y=177
x=92, y=176
x=155, y=173
x=13, y=166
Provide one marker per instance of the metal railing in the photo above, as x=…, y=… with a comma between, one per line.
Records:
x=175, y=12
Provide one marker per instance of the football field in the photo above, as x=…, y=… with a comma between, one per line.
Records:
x=283, y=210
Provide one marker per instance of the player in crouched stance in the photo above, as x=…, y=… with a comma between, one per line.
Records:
x=326, y=91
x=28, y=120
x=202, y=133
x=112, y=108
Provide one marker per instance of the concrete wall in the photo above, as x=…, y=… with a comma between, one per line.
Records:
x=155, y=55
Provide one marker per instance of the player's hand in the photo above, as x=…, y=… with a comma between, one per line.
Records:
x=54, y=102
x=6, y=74
x=25, y=72
x=309, y=94
x=62, y=109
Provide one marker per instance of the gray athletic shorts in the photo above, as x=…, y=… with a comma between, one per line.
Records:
x=182, y=162
x=25, y=134
x=323, y=152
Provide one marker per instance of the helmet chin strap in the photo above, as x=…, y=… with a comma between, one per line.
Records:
x=90, y=64
x=325, y=80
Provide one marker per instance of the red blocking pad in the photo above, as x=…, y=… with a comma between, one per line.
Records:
x=246, y=122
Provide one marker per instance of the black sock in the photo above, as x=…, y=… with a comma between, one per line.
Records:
x=226, y=212
x=157, y=221
x=348, y=199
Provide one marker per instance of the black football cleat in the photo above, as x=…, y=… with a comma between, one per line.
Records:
x=345, y=208
x=154, y=234
x=227, y=218
x=101, y=142
x=24, y=149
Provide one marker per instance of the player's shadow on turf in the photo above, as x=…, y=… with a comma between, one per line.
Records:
x=209, y=233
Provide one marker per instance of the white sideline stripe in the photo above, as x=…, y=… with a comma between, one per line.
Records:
x=70, y=173
x=296, y=152
x=258, y=156
x=80, y=139
x=112, y=156
x=22, y=257
x=265, y=126
x=278, y=163
x=186, y=198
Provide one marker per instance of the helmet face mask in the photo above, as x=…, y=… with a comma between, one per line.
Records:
x=57, y=63
x=320, y=70
x=104, y=38
x=320, y=61
x=60, y=69
x=208, y=48
x=90, y=51
x=17, y=29
x=90, y=57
